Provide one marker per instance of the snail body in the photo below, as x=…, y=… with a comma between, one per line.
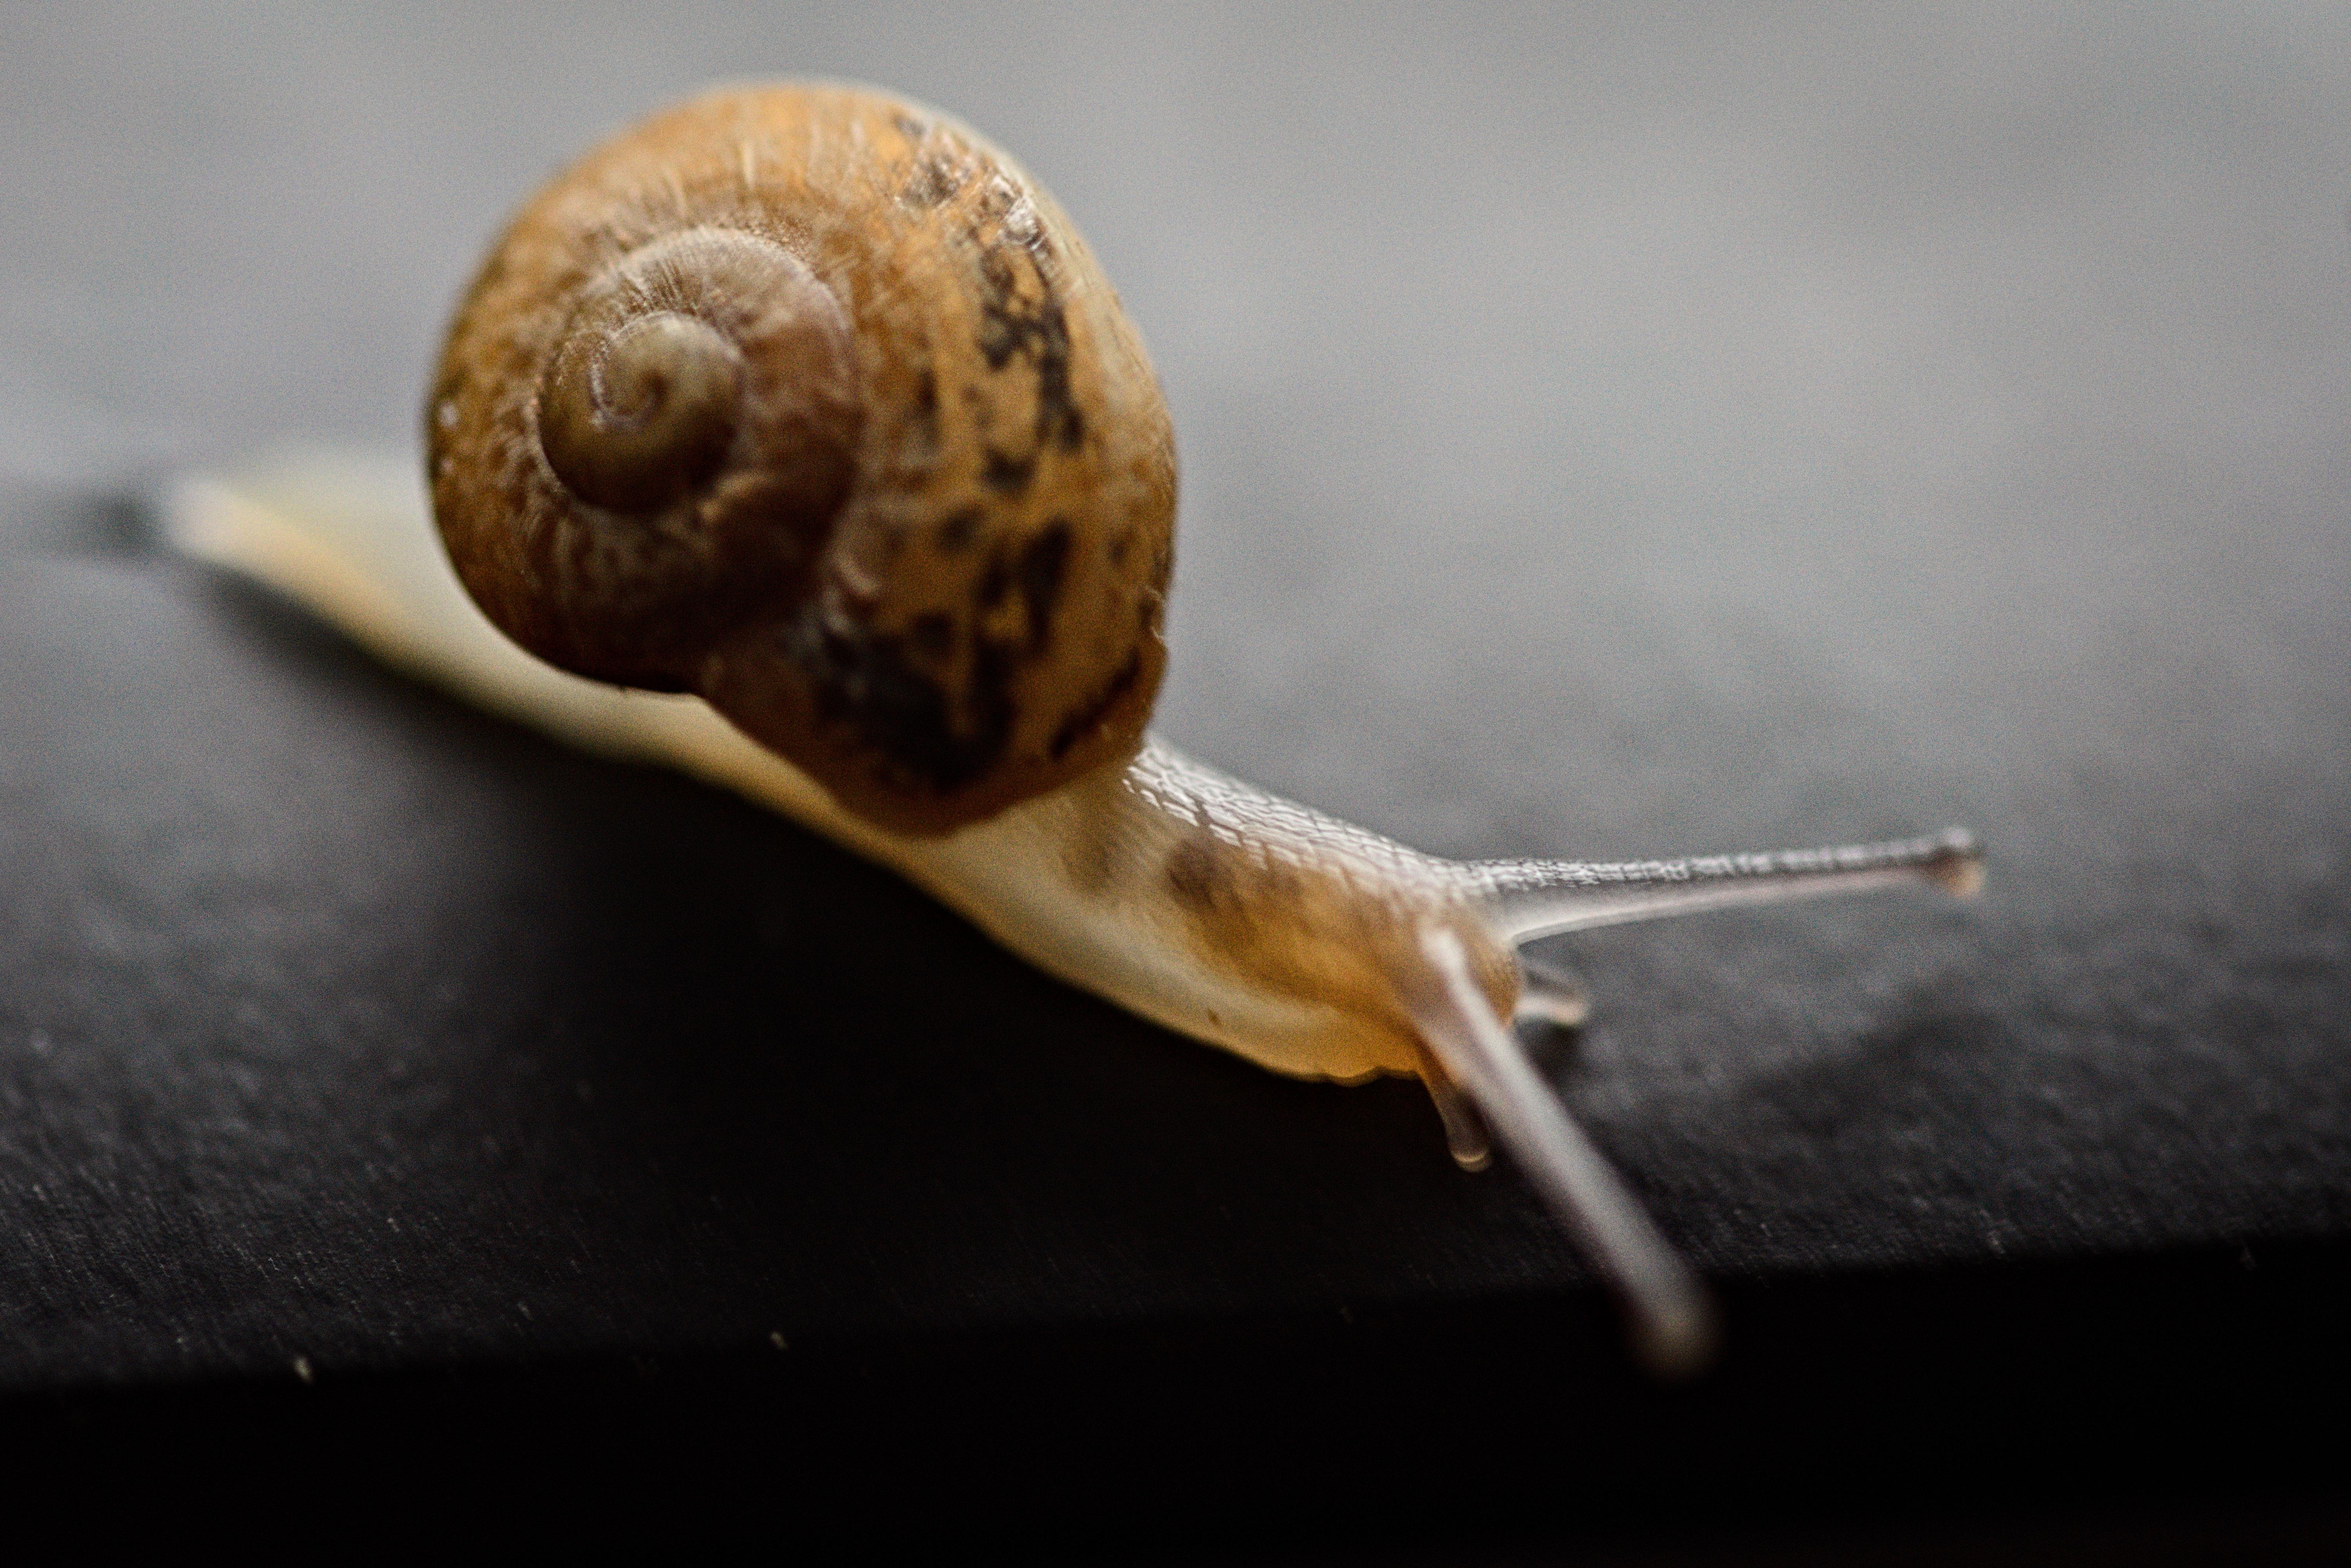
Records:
x=799, y=427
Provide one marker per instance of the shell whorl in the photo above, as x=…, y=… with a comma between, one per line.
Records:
x=809, y=401
x=634, y=414
x=706, y=347
x=699, y=411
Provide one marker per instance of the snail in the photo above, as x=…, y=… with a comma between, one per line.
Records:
x=795, y=439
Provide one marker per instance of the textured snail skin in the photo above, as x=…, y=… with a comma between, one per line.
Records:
x=809, y=401
x=1202, y=902
x=940, y=419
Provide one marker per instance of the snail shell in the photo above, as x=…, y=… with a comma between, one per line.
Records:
x=809, y=401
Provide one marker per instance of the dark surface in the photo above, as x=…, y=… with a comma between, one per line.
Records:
x=1598, y=439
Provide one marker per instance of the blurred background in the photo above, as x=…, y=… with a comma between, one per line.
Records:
x=1603, y=433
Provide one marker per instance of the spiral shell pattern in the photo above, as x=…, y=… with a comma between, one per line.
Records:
x=808, y=399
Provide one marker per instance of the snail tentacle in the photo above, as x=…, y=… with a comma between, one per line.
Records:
x=1672, y=1319
x=1549, y=996
x=1532, y=899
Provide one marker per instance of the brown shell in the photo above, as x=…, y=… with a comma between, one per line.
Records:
x=928, y=563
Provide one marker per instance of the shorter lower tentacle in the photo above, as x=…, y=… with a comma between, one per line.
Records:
x=1550, y=998
x=1465, y=1137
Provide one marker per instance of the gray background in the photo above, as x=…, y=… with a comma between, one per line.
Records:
x=1601, y=435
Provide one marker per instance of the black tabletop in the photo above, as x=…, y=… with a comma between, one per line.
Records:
x=1600, y=437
